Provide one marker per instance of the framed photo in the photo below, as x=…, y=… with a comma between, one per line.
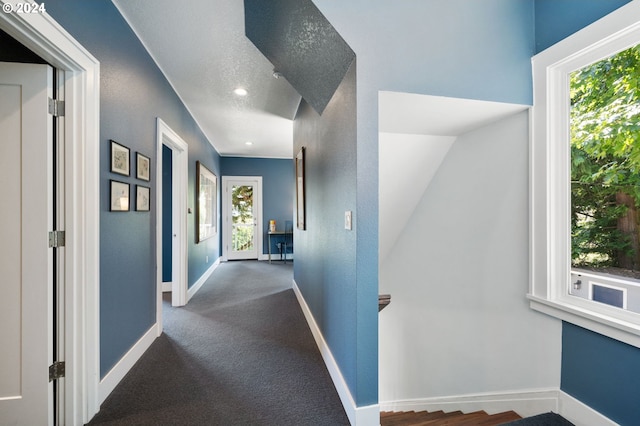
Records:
x=300, y=203
x=120, y=159
x=143, y=198
x=119, y=196
x=143, y=167
x=206, y=203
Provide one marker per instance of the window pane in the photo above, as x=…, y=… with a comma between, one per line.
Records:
x=242, y=238
x=605, y=168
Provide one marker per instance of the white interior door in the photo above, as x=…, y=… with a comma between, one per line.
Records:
x=26, y=261
x=243, y=216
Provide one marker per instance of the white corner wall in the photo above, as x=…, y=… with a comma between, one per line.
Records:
x=458, y=322
x=408, y=162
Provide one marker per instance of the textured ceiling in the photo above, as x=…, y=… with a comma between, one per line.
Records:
x=202, y=49
x=302, y=44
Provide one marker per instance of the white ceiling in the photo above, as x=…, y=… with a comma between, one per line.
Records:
x=201, y=48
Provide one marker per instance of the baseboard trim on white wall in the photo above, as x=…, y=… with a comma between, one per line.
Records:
x=115, y=375
x=525, y=403
x=203, y=278
x=368, y=415
x=579, y=413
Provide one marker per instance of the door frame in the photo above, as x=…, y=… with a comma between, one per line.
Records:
x=180, y=175
x=226, y=233
x=45, y=37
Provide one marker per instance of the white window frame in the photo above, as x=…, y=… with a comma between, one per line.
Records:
x=550, y=193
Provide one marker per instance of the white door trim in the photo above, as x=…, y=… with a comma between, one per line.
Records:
x=45, y=37
x=226, y=233
x=180, y=159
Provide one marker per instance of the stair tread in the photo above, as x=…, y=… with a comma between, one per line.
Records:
x=440, y=418
x=455, y=418
x=500, y=418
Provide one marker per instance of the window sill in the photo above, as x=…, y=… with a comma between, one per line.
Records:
x=606, y=325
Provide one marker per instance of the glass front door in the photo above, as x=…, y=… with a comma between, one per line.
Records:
x=243, y=220
x=242, y=217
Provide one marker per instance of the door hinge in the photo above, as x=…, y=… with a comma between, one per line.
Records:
x=56, y=239
x=56, y=107
x=56, y=370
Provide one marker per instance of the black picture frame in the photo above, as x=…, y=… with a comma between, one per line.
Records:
x=206, y=203
x=119, y=200
x=143, y=198
x=120, y=159
x=143, y=167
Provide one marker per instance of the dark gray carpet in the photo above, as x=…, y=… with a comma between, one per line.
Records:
x=240, y=353
x=547, y=419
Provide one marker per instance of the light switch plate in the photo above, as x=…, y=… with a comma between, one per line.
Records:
x=347, y=220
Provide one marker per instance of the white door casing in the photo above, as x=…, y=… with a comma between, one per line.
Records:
x=26, y=262
x=180, y=160
x=228, y=182
x=46, y=38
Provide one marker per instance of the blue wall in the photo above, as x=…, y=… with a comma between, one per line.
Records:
x=457, y=48
x=133, y=92
x=558, y=19
x=278, y=188
x=602, y=373
x=325, y=266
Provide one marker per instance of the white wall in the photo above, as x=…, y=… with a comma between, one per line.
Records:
x=407, y=164
x=458, y=322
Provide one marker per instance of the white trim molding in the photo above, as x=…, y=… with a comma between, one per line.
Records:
x=365, y=416
x=525, y=403
x=580, y=414
x=227, y=225
x=117, y=373
x=550, y=228
x=180, y=154
x=203, y=278
x=45, y=37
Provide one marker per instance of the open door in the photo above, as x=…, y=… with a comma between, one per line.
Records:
x=26, y=261
x=178, y=151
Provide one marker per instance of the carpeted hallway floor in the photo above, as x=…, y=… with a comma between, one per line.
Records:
x=240, y=353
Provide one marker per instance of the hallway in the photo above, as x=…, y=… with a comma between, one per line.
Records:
x=240, y=353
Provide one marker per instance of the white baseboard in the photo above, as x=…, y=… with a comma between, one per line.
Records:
x=167, y=286
x=525, y=403
x=364, y=416
x=203, y=278
x=113, y=377
x=579, y=413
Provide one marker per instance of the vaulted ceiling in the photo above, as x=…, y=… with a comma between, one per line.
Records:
x=202, y=49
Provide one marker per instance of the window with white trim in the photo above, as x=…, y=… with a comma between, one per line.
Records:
x=566, y=279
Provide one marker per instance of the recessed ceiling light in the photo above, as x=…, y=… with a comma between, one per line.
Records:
x=240, y=91
x=249, y=143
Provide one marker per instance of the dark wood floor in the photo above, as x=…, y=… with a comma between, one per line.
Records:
x=455, y=418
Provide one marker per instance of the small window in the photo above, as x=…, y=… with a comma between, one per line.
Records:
x=609, y=295
x=585, y=177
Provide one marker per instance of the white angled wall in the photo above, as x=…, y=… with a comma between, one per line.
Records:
x=458, y=322
x=408, y=163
